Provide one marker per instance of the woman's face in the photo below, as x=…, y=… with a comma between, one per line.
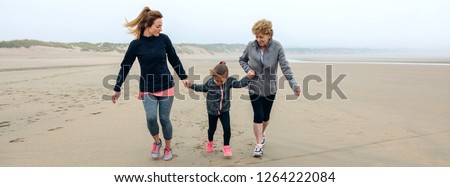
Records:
x=262, y=39
x=156, y=28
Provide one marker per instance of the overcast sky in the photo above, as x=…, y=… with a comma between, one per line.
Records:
x=297, y=23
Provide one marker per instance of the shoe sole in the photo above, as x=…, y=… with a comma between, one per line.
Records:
x=155, y=157
x=258, y=155
x=164, y=158
x=227, y=156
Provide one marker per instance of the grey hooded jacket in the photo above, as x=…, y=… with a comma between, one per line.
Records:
x=218, y=97
x=265, y=82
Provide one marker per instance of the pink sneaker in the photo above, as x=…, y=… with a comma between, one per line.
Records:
x=227, y=151
x=167, y=154
x=156, y=149
x=210, y=146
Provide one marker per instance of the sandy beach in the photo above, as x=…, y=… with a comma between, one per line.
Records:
x=53, y=113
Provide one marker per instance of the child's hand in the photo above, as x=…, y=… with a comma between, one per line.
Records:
x=250, y=74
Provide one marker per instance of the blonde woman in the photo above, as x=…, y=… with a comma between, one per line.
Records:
x=261, y=58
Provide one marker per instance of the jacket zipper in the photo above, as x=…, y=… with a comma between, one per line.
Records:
x=221, y=99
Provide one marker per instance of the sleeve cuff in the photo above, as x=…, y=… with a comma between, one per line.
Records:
x=182, y=77
x=117, y=89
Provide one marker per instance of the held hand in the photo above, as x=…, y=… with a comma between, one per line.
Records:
x=250, y=74
x=115, y=97
x=187, y=83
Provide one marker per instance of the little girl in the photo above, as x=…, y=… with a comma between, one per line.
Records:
x=218, y=103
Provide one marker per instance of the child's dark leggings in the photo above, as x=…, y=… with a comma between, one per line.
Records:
x=225, y=120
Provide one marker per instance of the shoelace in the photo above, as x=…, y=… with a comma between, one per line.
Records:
x=167, y=151
x=155, y=147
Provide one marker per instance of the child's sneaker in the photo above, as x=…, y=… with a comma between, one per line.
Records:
x=258, y=152
x=227, y=151
x=156, y=149
x=210, y=146
x=167, y=154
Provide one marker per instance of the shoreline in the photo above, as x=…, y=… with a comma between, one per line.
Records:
x=370, y=62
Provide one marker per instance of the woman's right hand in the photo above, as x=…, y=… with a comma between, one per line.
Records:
x=115, y=97
x=297, y=91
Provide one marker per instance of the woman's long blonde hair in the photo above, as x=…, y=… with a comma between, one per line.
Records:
x=145, y=19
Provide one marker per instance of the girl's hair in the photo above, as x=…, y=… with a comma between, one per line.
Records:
x=145, y=19
x=220, y=69
x=263, y=27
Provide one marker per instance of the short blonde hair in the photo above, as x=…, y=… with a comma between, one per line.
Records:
x=263, y=27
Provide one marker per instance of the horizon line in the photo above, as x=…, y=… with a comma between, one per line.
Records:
x=284, y=46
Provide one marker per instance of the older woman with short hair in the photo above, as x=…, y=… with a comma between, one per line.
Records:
x=261, y=58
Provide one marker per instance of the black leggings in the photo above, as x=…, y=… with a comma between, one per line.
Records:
x=262, y=105
x=225, y=120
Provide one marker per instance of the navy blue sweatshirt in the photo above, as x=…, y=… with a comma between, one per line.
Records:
x=152, y=53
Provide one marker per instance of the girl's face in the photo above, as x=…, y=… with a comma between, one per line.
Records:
x=262, y=39
x=219, y=80
x=156, y=28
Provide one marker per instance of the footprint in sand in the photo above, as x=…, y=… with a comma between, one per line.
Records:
x=239, y=133
x=32, y=119
x=199, y=147
x=54, y=129
x=5, y=123
x=179, y=143
x=3, y=105
x=17, y=140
